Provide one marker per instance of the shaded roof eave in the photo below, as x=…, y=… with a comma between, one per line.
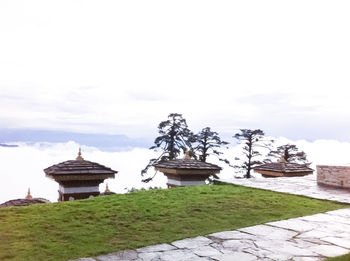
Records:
x=186, y=164
x=283, y=171
x=283, y=167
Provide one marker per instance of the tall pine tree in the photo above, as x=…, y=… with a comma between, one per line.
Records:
x=174, y=138
x=252, y=139
x=208, y=142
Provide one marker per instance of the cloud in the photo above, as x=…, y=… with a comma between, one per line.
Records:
x=146, y=96
x=22, y=166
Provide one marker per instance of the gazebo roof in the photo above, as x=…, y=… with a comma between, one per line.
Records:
x=189, y=164
x=284, y=167
x=187, y=171
x=75, y=167
x=79, y=167
x=28, y=200
x=23, y=202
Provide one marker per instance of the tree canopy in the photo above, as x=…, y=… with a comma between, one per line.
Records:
x=174, y=138
x=208, y=142
x=252, y=139
x=290, y=152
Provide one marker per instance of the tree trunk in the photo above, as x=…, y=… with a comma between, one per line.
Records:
x=250, y=146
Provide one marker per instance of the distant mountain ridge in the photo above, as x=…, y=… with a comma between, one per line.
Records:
x=8, y=145
x=102, y=141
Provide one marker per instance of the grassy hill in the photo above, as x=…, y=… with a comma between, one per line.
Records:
x=81, y=228
x=340, y=258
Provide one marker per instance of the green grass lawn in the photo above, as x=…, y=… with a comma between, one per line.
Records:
x=340, y=258
x=82, y=228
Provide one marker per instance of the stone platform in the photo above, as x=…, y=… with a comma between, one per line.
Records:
x=304, y=186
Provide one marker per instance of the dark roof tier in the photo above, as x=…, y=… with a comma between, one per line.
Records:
x=78, y=167
x=190, y=164
x=23, y=202
x=284, y=167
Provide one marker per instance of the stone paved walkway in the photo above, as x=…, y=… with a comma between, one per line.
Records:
x=306, y=186
x=305, y=238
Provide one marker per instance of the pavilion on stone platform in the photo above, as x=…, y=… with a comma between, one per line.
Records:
x=186, y=171
x=79, y=179
x=283, y=168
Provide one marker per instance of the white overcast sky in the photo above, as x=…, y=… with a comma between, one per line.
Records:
x=120, y=67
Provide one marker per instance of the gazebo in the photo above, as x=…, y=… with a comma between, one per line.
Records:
x=78, y=179
x=283, y=168
x=186, y=171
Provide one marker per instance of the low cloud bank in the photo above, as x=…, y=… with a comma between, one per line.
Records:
x=22, y=167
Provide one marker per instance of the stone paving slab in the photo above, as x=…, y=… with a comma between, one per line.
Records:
x=306, y=238
x=295, y=225
x=190, y=243
x=156, y=248
x=269, y=232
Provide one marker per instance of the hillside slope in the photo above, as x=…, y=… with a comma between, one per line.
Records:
x=81, y=228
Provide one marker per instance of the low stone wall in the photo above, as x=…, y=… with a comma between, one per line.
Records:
x=337, y=176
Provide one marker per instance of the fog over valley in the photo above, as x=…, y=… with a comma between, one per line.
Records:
x=22, y=167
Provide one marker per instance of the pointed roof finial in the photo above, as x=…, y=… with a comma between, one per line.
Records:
x=79, y=155
x=28, y=195
x=187, y=155
x=282, y=160
x=107, y=189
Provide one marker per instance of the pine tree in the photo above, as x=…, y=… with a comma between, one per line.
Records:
x=252, y=139
x=208, y=143
x=175, y=137
x=290, y=152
